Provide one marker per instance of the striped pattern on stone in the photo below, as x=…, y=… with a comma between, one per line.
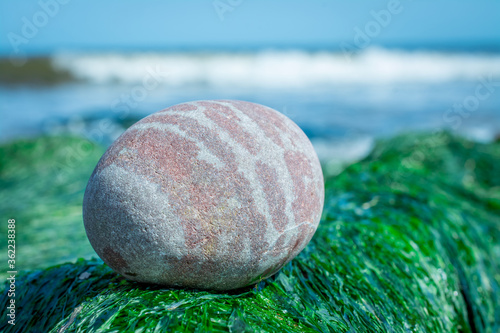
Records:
x=207, y=194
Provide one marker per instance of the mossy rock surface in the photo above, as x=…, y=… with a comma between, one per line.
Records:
x=409, y=242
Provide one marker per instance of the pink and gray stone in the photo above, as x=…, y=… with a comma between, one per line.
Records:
x=208, y=194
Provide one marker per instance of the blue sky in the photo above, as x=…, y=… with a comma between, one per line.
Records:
x=155, y=24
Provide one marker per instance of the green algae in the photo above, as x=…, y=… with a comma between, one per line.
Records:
x=42, y=183
x=409, y=242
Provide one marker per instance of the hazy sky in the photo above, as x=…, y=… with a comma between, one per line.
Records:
x=156, y=24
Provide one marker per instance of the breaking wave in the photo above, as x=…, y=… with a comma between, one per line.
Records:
x=277, y=69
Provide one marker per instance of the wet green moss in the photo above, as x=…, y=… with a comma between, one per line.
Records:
x=409, y=242
x=42, y=182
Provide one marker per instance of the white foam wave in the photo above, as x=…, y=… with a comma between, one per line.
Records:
x=342, y=150
x=281, y=69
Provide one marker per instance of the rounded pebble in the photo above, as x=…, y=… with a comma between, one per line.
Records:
x=208, y=195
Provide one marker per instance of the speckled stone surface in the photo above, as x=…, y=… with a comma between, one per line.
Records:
x=207, y=194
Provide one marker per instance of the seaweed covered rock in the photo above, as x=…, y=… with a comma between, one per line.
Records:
x=42, y=182
x=207, y=194
x=408, y=242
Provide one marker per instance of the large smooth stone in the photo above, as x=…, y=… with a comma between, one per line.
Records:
x=208, y=194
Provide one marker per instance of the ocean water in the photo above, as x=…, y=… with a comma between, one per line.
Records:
x=342, y=103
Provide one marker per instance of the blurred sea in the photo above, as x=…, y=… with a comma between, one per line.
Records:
x=341, y=101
